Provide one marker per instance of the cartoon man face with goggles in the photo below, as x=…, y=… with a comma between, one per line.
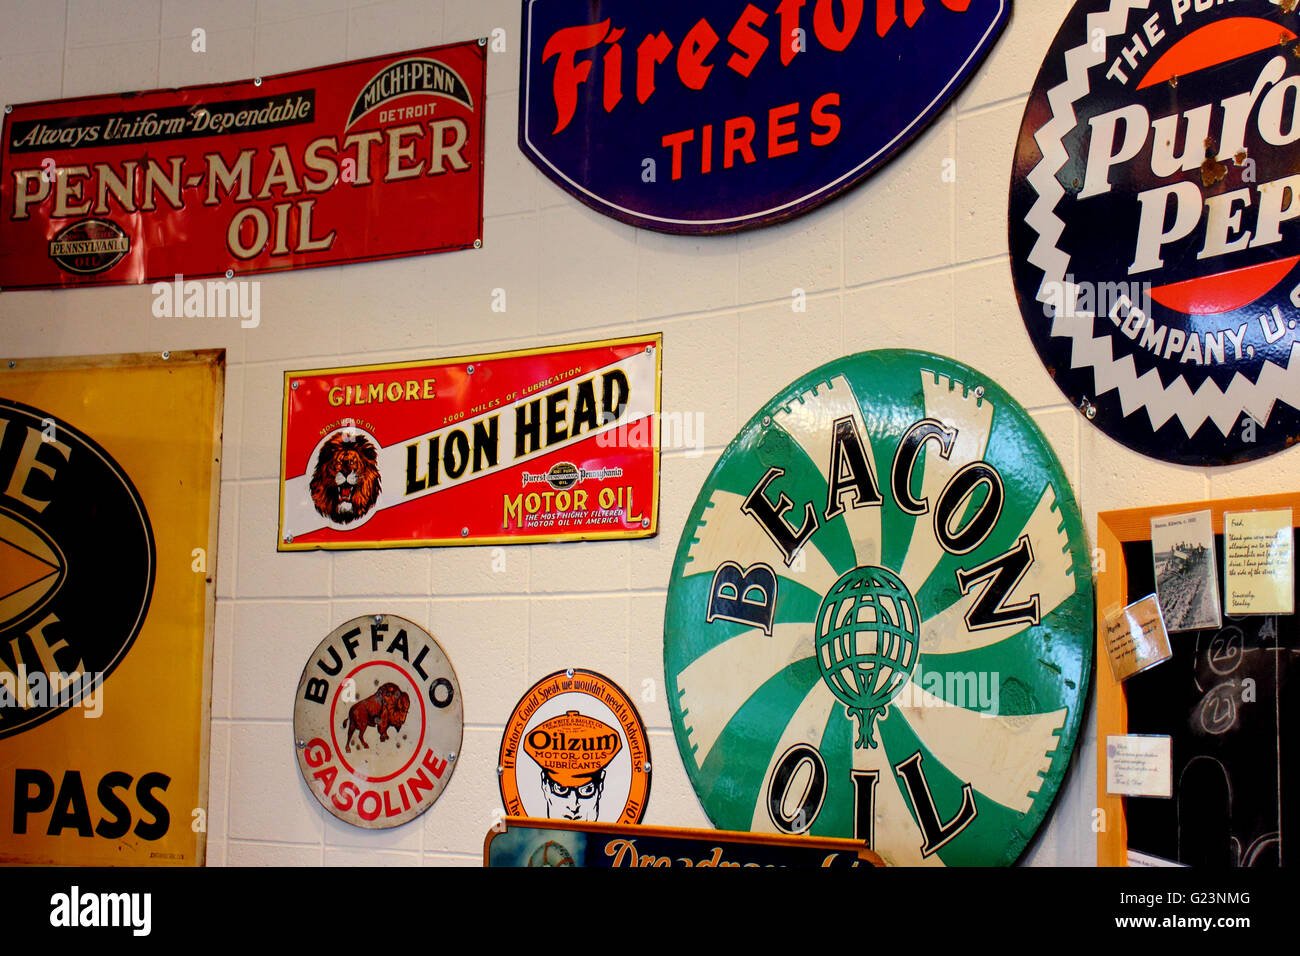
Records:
x=573, y=803
x=573, y=751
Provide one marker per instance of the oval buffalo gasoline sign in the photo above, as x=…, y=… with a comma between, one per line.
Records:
x=1155, y=224
x=378, y=720
x=575, y=748
x=879, y=622
x=77, y=566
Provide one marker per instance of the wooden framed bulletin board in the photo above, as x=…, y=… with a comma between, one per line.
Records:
x=1227, y=698
x=110, y=469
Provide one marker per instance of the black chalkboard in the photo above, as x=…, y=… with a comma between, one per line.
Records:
x=1228, y=699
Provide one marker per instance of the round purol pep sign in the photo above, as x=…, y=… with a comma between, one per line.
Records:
x=879, y=621
x=1155, y=224
x=377, y=721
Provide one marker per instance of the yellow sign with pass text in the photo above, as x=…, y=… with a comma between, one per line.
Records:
x=109, y=478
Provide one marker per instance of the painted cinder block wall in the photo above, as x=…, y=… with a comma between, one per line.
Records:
x=906, y=260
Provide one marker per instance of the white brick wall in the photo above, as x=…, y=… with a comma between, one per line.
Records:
x=905, y=260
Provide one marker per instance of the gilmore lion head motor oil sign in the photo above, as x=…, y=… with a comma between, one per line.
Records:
x=549, y=444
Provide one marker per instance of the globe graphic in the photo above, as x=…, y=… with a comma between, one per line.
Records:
x=867, y=634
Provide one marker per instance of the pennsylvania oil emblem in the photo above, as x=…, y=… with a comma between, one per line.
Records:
x=879, y=621
x=575, y=748
x=378, y=719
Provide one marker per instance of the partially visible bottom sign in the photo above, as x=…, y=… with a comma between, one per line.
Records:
x=523, y=841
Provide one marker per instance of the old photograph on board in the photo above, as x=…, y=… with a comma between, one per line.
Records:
x=1187, y=579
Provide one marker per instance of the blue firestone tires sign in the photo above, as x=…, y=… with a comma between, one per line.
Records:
x=879, y=621
x=1155, y=223
x=691, y=118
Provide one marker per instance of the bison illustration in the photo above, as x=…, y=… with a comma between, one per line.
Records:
x=385, y=708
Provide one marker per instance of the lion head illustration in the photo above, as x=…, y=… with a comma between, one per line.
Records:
x=345, y=484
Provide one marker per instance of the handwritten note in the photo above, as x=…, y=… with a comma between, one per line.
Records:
x=1136, y=638
x=1259, y=562
x=1139, y=766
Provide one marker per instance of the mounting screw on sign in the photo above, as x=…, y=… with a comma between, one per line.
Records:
x=294, y=386
x=230, y=273
x=478, y=243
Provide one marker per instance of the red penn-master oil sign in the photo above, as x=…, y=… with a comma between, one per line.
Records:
x=556, y=444
x=372, y=159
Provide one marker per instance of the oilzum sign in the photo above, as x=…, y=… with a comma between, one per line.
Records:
x=372, y=159
x=1155, y=224
x=747, y=115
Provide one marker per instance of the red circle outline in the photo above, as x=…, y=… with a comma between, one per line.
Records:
x=338, y=751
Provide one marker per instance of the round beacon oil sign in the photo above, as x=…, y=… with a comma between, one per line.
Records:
x=879, y=620
x=378, y=720
x=575, y=748
x=1155, y=224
